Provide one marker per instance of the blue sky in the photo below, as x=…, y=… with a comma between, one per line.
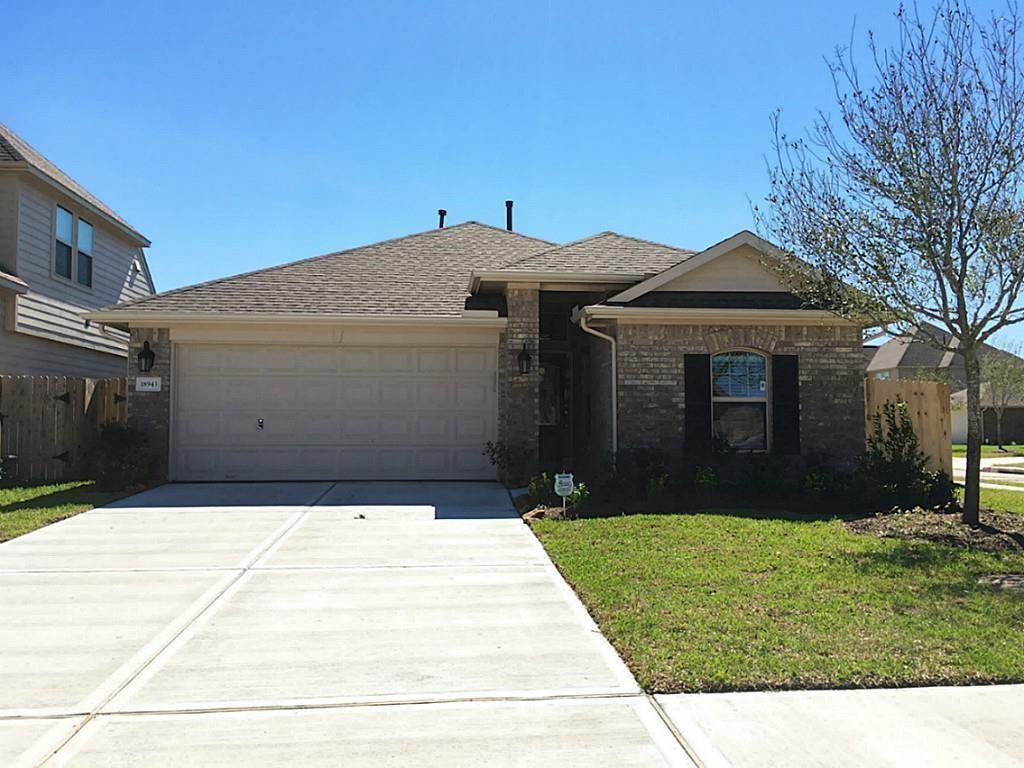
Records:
x=245, y=134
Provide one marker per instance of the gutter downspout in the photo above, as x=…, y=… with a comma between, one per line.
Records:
x=615, y=378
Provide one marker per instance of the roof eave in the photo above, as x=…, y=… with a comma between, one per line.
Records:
x=155, y=318
x=25, y=167
x=514, y=276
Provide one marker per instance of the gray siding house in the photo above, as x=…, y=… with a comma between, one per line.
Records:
x=62, y=252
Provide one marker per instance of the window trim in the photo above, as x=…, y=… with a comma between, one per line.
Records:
x=766, y=399
x=72, y=279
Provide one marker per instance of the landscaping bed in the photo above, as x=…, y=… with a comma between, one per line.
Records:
x=998, y=532
x=756, y=600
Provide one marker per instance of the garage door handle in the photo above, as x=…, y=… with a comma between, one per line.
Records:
x=259, y=423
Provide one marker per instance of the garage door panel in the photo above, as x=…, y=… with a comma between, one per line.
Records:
x=434, y=361
x=397, y=394
x=474, y=360
x=358, y=360
x=436, y=392
x=359, y=428
x=333, y=412
x=473, y=392
x=357, y=393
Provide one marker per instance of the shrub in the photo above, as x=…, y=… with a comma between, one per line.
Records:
x=893, y=471
x=638, y=474
x=123, y=458
x=542, y=491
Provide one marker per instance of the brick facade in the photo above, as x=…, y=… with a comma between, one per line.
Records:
x=519, y=394
x=651, y=408
x=150, y=412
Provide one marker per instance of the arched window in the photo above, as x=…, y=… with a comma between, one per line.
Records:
x=739, y=399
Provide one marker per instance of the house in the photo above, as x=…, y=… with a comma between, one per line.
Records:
x=1013, y=418
x=62, y=251
x=909, y=356
x=404, y=358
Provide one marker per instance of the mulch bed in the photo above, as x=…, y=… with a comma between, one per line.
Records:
x=998, y=532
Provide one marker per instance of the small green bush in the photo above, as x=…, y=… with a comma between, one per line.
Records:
x=123, y=458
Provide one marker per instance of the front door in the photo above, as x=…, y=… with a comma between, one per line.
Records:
x=555, y=409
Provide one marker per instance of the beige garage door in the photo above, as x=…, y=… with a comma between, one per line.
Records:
x=248, y=412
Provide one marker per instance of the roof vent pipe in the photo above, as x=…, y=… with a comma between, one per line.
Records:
x=508, y=215
x=441, y=213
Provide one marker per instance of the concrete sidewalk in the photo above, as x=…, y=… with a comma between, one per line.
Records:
x=308, y=624
x=935, y=727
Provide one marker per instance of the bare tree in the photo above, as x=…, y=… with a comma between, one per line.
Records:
x=909, y=209
x=1003, y=376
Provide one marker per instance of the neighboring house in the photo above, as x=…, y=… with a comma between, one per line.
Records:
x=1013, y=418
x=62, y=251
x=907, y=356
x=402, y=359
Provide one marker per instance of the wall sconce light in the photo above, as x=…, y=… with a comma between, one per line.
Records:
x=525, y=359
x=146, y=358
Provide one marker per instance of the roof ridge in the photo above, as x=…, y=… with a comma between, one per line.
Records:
x=343, y=252
x=597, y=236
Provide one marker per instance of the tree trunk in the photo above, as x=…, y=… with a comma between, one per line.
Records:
x=972, y=487
x=999, y=429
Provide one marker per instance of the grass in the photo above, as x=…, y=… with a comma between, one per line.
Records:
x=734, y=600
x=26, y=508
x=1005, y=501
x=959, y=449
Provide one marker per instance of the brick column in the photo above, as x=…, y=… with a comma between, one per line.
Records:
x=150, y=412
x=519, y=394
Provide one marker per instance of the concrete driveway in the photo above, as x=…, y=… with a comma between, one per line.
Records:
x=308, y=624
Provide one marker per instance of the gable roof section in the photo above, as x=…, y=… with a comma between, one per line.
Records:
x=695, y=261
x=418, y=275
x=606, y=253
x=16, y=153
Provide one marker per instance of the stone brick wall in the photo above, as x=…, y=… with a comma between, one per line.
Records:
x=650, y=381
x=519, y=394
x=150, y=412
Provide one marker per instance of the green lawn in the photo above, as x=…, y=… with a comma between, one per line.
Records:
x=25, y=508
x=959, y=449
x=1005, y=501
x=730, y=601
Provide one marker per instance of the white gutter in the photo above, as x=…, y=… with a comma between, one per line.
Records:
x=704, y=316
x=615, y=380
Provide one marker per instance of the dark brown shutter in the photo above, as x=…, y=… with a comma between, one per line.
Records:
x=785, y=404
x=697, y=401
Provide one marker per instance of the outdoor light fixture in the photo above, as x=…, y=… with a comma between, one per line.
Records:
x=146, y=358
x=524, y=359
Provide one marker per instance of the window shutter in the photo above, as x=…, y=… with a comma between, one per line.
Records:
x=785, y=404
x=697, y=401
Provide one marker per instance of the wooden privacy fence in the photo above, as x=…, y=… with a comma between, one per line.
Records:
x=49, y=424
x=928, y=408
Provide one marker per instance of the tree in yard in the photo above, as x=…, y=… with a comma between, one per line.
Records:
x=908, y=207
x=1003, y=376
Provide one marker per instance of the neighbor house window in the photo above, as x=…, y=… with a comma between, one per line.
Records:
x=84, y=264
x=72, y=256
x=65, y=242
x=739, y=399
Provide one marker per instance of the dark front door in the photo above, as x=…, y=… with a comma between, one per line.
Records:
x=555, y=411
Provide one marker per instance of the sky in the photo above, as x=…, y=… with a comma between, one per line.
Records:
x=240, y=135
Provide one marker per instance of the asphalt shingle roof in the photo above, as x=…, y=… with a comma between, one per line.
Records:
x=14, y=149
x=425, y=274
x=606, y=252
